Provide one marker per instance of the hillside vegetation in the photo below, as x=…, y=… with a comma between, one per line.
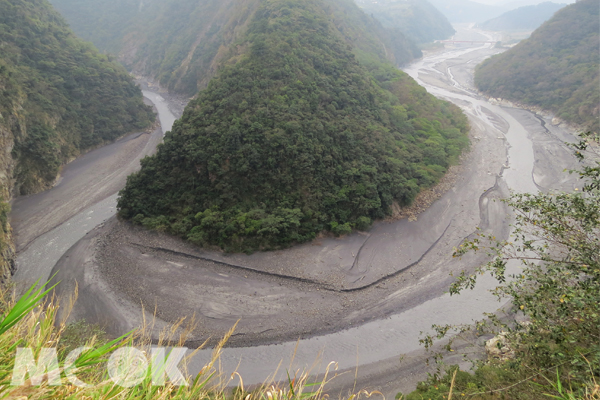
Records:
x=417, y=19
x=180, y=43
x=294, y=136
x=555, y=69
x=523, y=18
x=58, y=96
x=552, y=350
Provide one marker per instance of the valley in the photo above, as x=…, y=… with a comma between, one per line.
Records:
x=361, y=299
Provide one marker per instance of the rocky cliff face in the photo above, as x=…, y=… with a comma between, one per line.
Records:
x=7, y=164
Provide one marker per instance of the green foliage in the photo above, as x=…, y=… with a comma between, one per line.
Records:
x=556, y=237
x=417, y=19
x=499, y=382
x=368, y=37
x=295, y=138
x=34, y=324
x=104, y=23
x=23, y=306
x=77, y=334
x=58, y=94
x=181, y=42
x=555, y=69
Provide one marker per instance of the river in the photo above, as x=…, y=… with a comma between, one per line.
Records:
x=390, y=338
x=40, y=256
x=446, y=74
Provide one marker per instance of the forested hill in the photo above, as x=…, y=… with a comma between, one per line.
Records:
x=555, y=69
x=180, y=43
x=58, y=96
x=523, y=18
x=294, y=136
x=419, y=20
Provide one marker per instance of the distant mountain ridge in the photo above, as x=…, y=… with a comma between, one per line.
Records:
x=556, y=69
x=419, y=20
x=181, y=43
x=462, y=11
x=523, y=18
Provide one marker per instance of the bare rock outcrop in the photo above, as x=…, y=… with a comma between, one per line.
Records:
x=7, y=248
x=498, y=348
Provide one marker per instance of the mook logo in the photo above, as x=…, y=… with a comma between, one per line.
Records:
x=127, y=366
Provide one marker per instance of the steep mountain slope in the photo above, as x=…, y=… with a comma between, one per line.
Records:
x=58, y=96
x=461, y=11
x=294, y=136
x=419, y=20
x=555, y=69
x=180, y=43
x=523, y=18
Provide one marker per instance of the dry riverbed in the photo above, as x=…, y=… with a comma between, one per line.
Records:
x=368, y=294
x=310, y=289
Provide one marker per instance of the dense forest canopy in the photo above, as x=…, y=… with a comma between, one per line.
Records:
x=58, y=94
x=555, y=69
x=180, y=43
x=523, y=18
x=293, y=137
x=419, y=20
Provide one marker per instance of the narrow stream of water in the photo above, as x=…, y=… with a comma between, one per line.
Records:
x=398, y=334
x=373, y=341
x=40, y=257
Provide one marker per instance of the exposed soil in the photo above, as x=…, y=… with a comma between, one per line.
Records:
x=82, y=183
x=397, y=271
x=311, y=289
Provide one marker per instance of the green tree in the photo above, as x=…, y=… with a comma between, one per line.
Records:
x=58, y=94
x=293, y=137
x=555, y=69
x=556, y=238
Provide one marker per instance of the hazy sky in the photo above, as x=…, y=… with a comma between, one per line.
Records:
x=525, y=2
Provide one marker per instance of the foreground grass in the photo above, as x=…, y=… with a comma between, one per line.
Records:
x=503, y=381
x=28, y=323
x=554, y=354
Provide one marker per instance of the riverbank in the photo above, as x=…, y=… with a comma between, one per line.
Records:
x=365, y=296
x=309, y=290
x=48, y=223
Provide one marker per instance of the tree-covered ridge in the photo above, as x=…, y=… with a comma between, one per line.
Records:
x=523, y=18
x=58, y=94
x=555, y=69
x=368, y=37
x=417, y=19
x=294, y=138
x=180, y=43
